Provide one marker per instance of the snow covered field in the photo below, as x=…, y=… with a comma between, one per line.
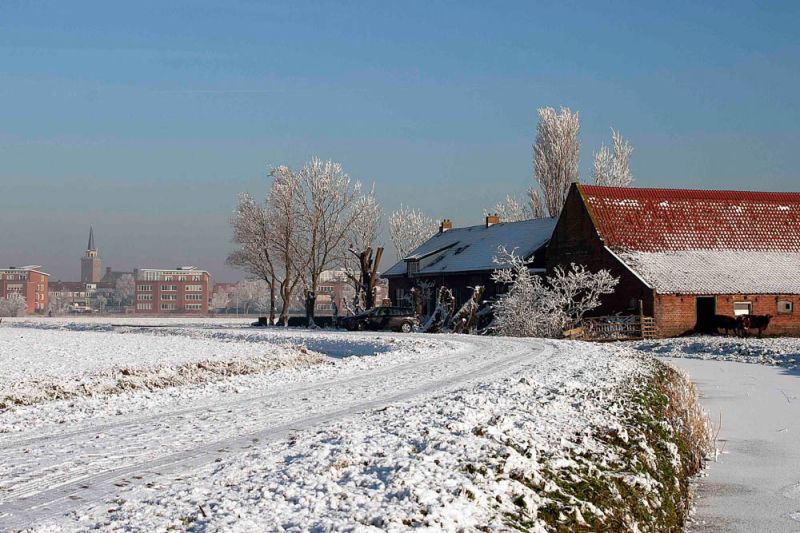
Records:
x=415, y=430
x=780, y=351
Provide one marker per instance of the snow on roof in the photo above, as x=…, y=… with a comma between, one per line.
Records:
x=717, y=271
x=657, y=220
x=702, y=242
x=474, y=247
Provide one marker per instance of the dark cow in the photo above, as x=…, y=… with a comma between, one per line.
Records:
x=728, y=323
x=759, y=322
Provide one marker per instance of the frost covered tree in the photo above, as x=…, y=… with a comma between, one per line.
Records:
x=536, y=307
x=251, y=295
x=220, y=301
x=256, y=237
x=409, y=228
x=329, y=209
x=125, y=290
x=516, y=210
x=99, y=303
x=285, y=228
x=612, y=166
x=58, y=304
x=13, y=305
x=269, y=239
x=555, y=155
x=362, y=262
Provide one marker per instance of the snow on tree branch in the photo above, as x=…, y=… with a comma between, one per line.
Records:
x=537, y=307
x=13, y=305
x=409, y=228
x=555, y=155
x=612, y=168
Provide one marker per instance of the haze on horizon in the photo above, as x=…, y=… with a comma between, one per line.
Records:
x=146, y=120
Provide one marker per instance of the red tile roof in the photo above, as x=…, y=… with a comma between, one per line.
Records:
x=656, y=220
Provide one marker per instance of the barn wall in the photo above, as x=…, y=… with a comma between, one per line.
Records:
x=575, y=240
x=676, y=314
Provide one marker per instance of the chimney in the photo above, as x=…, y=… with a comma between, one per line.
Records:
x=445, y=225
x=491, y=220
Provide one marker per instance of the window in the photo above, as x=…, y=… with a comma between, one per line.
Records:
x=400, y=296
x=194, y=307
x=168, y=307
x=169, y=287
x=193, y=288
x=144, y=288
x=169, y=297
x=144, y=297
x=412, y=267
x=192, y=297
x=742, y=308
x=785, y=307
x=144, y=307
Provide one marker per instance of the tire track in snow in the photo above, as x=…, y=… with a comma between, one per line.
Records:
x=71, y=484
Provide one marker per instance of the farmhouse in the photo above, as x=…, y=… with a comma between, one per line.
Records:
x=687, y=255
x=462, y=258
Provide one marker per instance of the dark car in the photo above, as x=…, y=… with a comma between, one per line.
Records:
x=382, y=318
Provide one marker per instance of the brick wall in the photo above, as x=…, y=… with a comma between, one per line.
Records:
x=676, y=314
x=180, y=297
x=575, y=240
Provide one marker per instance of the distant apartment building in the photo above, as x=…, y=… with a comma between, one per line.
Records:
x=77, y=296
x=91, y=265
x=183, y=290
x=27, y=281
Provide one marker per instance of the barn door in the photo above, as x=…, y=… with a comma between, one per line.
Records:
x=706, y=309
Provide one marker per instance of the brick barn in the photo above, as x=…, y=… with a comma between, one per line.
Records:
x=687, y=254
x=461, y=258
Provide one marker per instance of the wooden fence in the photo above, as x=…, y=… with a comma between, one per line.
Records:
x=614, y=328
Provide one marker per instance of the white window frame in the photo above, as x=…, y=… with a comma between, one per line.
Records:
x=742, y=311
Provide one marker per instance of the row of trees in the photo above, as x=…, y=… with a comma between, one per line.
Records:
x=555, y=166
x=315, y=219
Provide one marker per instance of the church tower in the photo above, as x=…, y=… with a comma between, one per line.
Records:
x=91, y=266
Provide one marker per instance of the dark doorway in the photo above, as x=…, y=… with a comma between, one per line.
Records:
x=706, y=309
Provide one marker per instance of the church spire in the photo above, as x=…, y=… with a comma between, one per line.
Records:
x=91, y=239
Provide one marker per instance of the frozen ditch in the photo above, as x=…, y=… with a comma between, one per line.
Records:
x=776, y=351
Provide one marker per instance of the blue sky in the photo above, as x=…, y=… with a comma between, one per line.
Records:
x=146, y=119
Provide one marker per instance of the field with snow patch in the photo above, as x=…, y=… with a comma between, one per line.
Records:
x=332, y=430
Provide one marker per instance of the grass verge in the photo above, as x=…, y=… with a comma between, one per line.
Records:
x=640, y=480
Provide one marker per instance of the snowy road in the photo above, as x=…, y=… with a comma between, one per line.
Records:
x=46, y=475
x=755, y=485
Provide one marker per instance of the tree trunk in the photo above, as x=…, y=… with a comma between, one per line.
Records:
x=311, y=299
x=284, y=318
x=272, y=303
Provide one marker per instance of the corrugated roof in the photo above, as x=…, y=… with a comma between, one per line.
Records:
x=717, y=271
x=474, y=247
x=656, y=220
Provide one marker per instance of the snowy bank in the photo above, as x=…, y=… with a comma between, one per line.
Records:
x=44, y=365
x=776, y=351
x=577, y=436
